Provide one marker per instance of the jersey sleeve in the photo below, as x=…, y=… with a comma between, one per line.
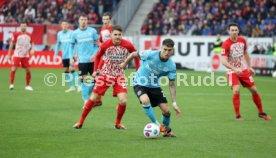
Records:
x=131, y=48
x=95, y=35
x=225, y=49
x=172, y=73
x=97, y=62
x=14, y=37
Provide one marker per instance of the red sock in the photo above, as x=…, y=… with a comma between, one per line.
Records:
x=87, y=108
x=121, y=108
x=28, y=78
x=236, y=103
x=257, y=100
x=99, y=99
x=12, y=75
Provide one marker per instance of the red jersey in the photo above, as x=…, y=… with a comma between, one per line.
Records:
x=112, y=56
x=105, y=33
x=23, y=43
x=235, y=53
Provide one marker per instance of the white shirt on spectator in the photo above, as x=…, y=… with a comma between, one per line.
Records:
x=30, y=12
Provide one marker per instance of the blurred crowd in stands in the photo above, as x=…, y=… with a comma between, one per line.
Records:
x=52, y=11
x=256, y=18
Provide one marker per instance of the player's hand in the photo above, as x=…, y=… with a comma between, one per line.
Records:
x=123, y=65
x=75, y=57
x=238, y=71
x=94, y=75
x=92, y=58
x=252, y=71
x=72, y=62
x=32, y=52
x=177, y=109
x=56, y=58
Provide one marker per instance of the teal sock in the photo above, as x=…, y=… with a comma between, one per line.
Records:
x=148, y=110
x=84, y=91
x=76, y=78
x=166, y=119
x=69, y=79
x=89, y=88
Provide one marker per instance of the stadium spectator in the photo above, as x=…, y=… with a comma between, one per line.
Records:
x=51, y=12
x=210, y=17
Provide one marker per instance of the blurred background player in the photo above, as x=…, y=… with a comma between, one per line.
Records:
x=114, y=51
x=237, y=61
x=156, y=63
x=105, y=34
x=64, y=39
x=84, y=39
x=23, y=43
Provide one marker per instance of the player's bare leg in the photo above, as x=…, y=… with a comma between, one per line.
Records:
x=121, y=108
x=165, y=127
x=28, y=80
x=12, y=76
x=258, y=102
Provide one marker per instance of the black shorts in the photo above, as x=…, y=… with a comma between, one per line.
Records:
x=66, y=62
x=85, y=68
x=155, y=95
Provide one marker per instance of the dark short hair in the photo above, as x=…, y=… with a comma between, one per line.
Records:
x=23, y=22
x=232, y=24
x=64, y=20
x=107, y=14
x=168, y=42
x=83, y=15
x=117, y=27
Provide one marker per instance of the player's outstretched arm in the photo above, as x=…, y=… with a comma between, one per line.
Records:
x=128, y=59
x=173, y=95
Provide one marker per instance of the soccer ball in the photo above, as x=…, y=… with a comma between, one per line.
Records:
x=151, y=130
x=274, y=74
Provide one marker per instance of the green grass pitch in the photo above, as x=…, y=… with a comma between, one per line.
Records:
x=39, y=123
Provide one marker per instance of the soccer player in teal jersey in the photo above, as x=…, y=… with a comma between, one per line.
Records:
x=155, y=64
x=84, y=39
x=64, y=40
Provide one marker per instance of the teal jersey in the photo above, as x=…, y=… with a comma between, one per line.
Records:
x=84, y=41
x=152, y=68
x=64, y=39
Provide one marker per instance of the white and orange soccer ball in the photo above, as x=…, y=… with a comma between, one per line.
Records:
x=151, y=130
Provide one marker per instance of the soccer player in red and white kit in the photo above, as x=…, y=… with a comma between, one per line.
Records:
x=237, y=61
x=23, y=43
x=113, y=52
x=105, y=34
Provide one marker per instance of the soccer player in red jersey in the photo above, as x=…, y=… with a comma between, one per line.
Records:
x=237, y=61
x=113, y=52
x=105, y=34
x=23, y=43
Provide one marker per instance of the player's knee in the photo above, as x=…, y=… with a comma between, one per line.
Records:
x=122, y=101
x=145, y=101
